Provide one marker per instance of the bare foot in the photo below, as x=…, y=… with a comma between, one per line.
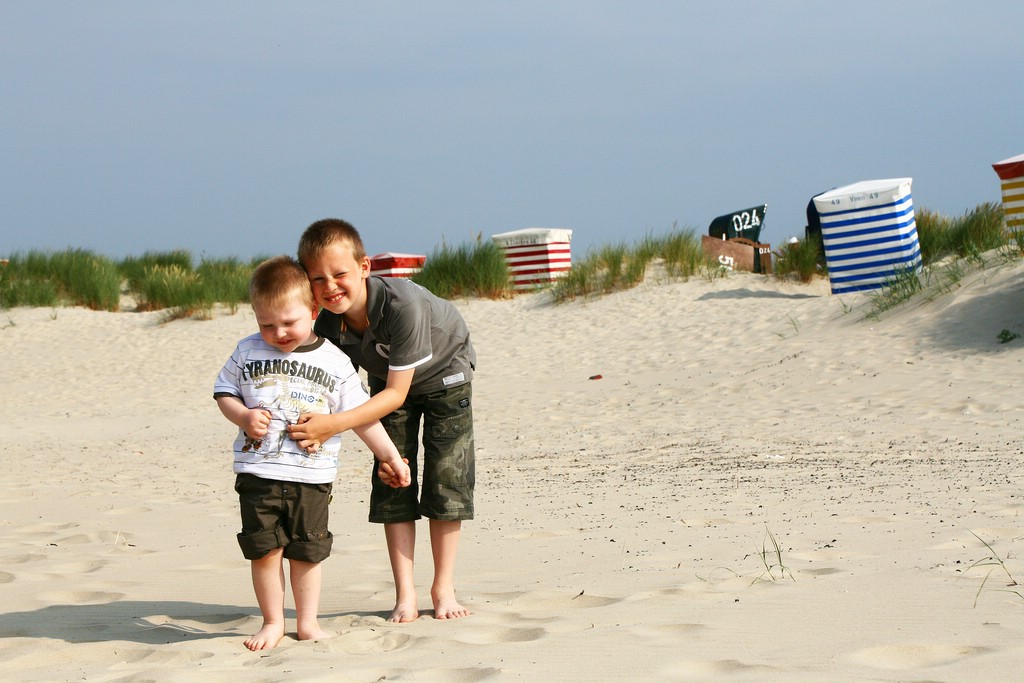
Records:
x=267, y=637
x=314, y=632
x=447, y=607
x=404, y=612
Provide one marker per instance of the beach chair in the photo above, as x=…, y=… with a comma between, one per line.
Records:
x=732, y=240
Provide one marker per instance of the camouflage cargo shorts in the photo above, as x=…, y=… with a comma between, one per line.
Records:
x=448, y=471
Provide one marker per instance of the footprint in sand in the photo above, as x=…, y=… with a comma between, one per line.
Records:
x=80, y=597
x=494, y=635
x=208, y=623
x=366, y=641
x=913, y=656
x=114, y=540
x=35, y=556
x=156, y=656
x=45, y=528
x=76, y=567
x=560, y=601
x=822, y=571
x=667, y=632
x=722, y=668
x=128, y=511
x=76, y=539
x=470, y=674
x=530, y=599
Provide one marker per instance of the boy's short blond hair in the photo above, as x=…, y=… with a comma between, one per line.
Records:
x=326, y=233
x=280, y=280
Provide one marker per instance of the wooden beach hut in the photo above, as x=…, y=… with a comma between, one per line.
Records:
x=396, y=265
x=536, y=256
x=1011, y=176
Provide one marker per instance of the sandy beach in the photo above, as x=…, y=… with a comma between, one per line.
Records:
x=639, y=456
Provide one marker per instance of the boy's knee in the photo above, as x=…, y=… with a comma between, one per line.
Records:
x=316, y=547
x=256, y=544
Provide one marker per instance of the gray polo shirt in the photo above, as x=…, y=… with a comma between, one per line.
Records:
x=409, y=327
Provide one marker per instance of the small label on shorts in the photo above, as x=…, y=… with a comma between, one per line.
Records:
x=454, y=379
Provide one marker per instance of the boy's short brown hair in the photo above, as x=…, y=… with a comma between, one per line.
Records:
x=328, y=232
x=278, y=280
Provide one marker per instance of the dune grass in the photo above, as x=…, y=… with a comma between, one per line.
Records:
x=156, y=281
x=976, y=231
x=171, y=282
x=72, y=277
x=620, y=266
x=477, y=269
x=804, y=259
x=950, y=249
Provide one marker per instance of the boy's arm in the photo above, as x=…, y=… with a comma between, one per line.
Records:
x=396, y=473
x=253, y=421
x=317, y=428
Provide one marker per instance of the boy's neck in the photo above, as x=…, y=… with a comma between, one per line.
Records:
x=354, y=320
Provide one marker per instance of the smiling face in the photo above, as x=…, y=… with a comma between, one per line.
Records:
x=339, y=279
x=286, y=325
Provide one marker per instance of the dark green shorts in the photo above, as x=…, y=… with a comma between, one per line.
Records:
x=449, y=459
x=283, y=514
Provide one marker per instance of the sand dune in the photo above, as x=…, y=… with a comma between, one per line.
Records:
x=626, y=525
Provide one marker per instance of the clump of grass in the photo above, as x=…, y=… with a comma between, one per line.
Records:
x=618, y=266
x=88, y=280
x=1006, y=336
x=803, y=259
x=176, y=288
x=76, y=277
x=226, y=281
x=774, y=568
x=610, y=268
x=477, y=269
x=794, y=324
x=168, y=280
x=903, y=284
x=966, y=236
x=579, y=280
x=994, y=562
x=934, y=235
x=950, y=248
x=770, y=554
x=133, y=268
x=25, y=281
x=682, y=253
x=622, y=268
x=72, y=277
x=33, y=293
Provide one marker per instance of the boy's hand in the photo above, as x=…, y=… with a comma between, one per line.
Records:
x=395, y=480
x=257, y=422
x=311, y=430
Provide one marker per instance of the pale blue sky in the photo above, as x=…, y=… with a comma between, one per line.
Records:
x=225, y=128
